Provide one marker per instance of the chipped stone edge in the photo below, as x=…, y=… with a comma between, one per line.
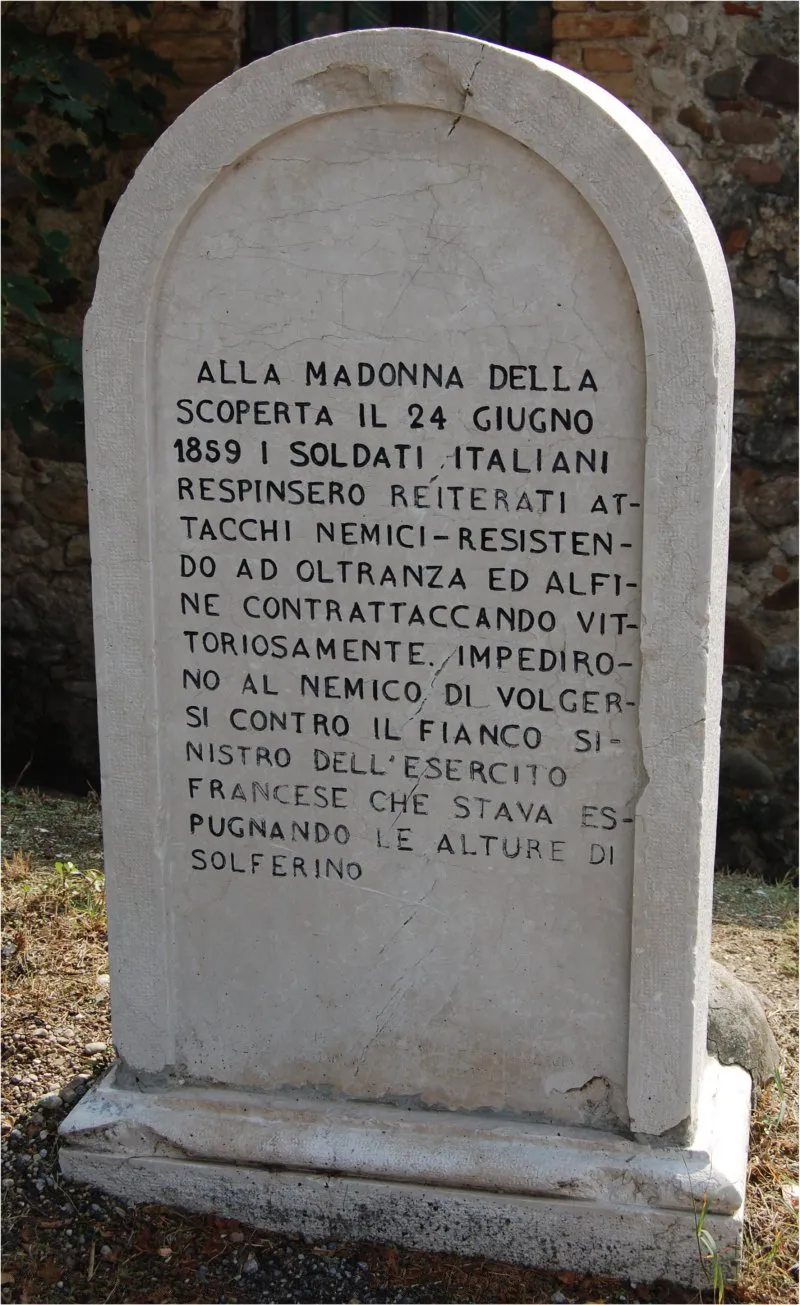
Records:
x=537, y=1194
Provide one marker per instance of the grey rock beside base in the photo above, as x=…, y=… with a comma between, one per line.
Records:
x=738, y=1032
x=556, y=1198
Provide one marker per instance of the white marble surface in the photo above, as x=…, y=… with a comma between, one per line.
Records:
x=589, y=985
x=480, y=958
x=377, y=198
x=559, y=1198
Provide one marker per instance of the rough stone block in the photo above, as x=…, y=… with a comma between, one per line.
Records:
x=738, y=1029
x=607, y=59
x=775, y=80
x=747, y=129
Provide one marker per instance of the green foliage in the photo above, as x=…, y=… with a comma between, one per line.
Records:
x=55, y=88
x=709, y=1255
x=84, y=890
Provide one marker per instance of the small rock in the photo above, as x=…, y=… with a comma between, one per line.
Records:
x=743, y=646
x=782, y=658
x=730, y=692
x=738, y=1032
x=753, y=40
x=774, y=79
x=723, y=85
x=776, y=695
x=94, y=1048
x=677, y=23
x=784, y=599
x=696, y=121
x=759, y=172
x=51, y=1101
x=748, y=545
x=76, y=550
x=774, y=502
x=747, y=129
x=741, y=769
x=772, y=442
x=39, y=1033
x=103, y=980
x=668, y=81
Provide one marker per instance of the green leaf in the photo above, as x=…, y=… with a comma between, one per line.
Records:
x=17, y=40
x=55, y=190
x=74, y=162
x=30, y=93
x=83, y=80
x=24, y=294
x=19, y=385
x=126, y=114
x=21, y=402
x=66, y=386
x=64, y=292
x=50, y=268
x=154, y=99
x=76, y=110
x=57, y=240
x=67, y=421
x=147, y=61
x=67, y=351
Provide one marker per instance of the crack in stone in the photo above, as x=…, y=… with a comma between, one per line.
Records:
x=466, y=92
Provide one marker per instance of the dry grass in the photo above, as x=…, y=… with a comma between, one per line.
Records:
x=54, y=950
x=54, y=933
x=756, y=937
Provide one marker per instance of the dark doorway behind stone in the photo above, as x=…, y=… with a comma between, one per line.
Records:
x=520, y=25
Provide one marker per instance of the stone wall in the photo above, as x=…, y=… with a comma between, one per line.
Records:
x=718, y=83
x=50, y=708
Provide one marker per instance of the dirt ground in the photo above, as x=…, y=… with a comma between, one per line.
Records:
x=64, y=1242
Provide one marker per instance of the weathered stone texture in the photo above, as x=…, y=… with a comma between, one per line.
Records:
x=738, y=1030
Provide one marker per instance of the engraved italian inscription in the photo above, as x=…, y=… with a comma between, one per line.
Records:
x=398, y=433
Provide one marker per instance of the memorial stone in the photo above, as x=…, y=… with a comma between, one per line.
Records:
x=408, y=385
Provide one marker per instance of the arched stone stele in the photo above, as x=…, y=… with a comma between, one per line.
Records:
x=408, y=380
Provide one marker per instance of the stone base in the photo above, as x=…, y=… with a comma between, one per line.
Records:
x=556, y=1198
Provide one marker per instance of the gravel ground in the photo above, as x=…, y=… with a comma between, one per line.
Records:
x=66, y=1242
